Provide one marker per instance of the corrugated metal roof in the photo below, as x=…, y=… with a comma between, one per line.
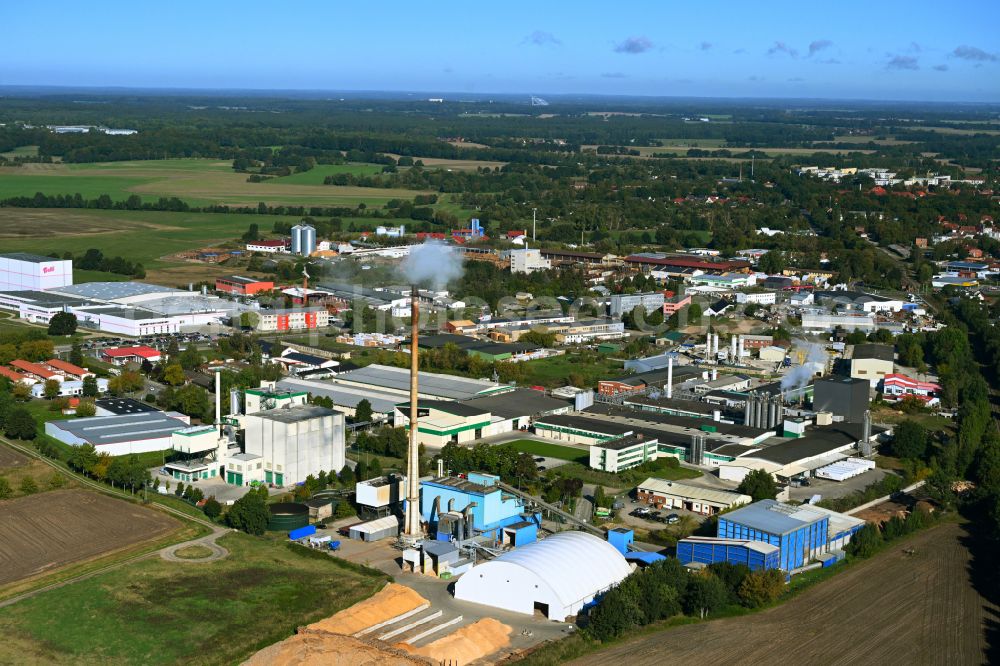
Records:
x=694, y=492
x=773, y=517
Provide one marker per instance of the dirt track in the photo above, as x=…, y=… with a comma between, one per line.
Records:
x=893, y=609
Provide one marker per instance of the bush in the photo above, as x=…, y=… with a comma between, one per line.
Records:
x=5, y=490
x=212, y=508
x=865, y=541
x=760, y=588
x=28, y=486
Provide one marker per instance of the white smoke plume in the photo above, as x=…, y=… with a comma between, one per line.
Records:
x=815, y=361
x=433, y=262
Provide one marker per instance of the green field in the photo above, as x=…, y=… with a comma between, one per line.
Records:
x=555, y=370
x=316, y=175
x=548, y=450
x=159, y=612
x=21, y=151
x=196, y=181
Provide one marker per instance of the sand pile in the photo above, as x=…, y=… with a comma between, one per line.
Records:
x=323, y=649
x=391, y=601
x=466, y=645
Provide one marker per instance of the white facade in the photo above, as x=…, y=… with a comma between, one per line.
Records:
x=563, y=573
x=135, y=323
x=30, y=272
x=762, y=298
x=295, y=442
x=68, y=388
x=291, y=320
x=528, y=260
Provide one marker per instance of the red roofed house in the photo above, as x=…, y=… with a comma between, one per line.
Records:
x=877, y=191
x=65, y=368
x=39, y=372
x=123, y=355
x=517, y=233
x=15, y=376
x=897, y=386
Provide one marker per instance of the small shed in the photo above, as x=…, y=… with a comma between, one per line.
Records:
x=374, y=530
x=320, y=508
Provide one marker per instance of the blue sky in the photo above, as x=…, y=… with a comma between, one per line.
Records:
x=917, y=50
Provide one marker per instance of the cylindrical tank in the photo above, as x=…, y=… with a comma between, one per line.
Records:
x=287, y=516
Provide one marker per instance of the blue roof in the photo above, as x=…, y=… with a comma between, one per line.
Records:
x=772, y=517
x=645, y=558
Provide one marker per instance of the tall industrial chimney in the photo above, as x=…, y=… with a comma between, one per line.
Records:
x=866, y=435
x=732, y=352
x=670, y=377
x=413, y=455
x=218, y=402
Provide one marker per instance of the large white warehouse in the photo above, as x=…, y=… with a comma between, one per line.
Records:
x=20, y=271
x=558, y=575
x=283, y=446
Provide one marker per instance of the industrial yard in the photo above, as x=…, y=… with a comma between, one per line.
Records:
x=40, y=533
x=897, y=608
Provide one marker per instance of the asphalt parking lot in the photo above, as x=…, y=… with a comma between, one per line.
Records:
x=833, y=489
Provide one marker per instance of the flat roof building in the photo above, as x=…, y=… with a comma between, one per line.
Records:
x=432, y=385
x=120, y=435
x=674, y=495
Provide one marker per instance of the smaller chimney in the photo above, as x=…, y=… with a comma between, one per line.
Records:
x=218, y=401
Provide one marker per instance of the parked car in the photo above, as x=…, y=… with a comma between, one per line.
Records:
x=673, y=519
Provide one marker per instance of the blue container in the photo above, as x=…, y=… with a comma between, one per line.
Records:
x=301, y=532
x=334, y=545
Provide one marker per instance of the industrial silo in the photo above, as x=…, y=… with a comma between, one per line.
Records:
x=287, y=516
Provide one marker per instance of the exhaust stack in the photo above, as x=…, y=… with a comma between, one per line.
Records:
x=412, y=455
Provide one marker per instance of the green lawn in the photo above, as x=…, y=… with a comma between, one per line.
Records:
x=80, y=275
x=316, y=175
x=556, y=370
x=549, y=450
x=89, y=187
x=660, y=469
x=158, y=612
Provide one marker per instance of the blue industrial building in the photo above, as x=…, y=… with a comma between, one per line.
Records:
x=461, y=509
x=710, y=550
x=800, y=532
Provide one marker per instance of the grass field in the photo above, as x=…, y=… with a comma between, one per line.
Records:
x=892, y=609
x=316, y=175
x=158, y=612
x=548, y=450
x=555, y=370
x=21, y=151
x=197, y=181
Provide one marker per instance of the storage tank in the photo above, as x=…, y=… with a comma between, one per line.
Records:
x=288, y=516
x=303, y=239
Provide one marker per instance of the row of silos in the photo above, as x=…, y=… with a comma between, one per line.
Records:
x=763, y=411
x=303, y=239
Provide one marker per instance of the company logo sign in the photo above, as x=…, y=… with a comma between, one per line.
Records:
x=48, y=269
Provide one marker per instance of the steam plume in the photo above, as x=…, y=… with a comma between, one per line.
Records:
x=433, y=262
x=801, y=374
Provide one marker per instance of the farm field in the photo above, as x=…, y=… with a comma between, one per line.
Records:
x=159, y=612
x=537, y=448
x=892, y=609
x=143, y=236
x=39, y=533
x=10, y=458
x=197, y=181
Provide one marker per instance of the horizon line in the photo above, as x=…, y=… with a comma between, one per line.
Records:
x=477, y=96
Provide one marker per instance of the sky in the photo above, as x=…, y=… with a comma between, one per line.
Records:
x=889, y=50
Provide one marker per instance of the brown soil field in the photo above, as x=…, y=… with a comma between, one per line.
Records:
x=10, y=458
x=39, y=533
x=892, y=609
x=34, y=223
x=192, y=271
